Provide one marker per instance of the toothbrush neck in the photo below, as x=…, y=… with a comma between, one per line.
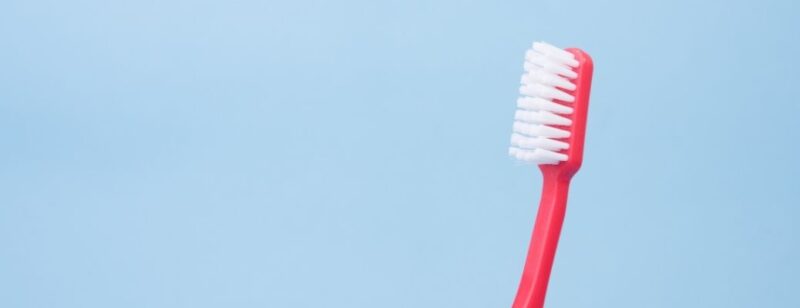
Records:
x=561, y=174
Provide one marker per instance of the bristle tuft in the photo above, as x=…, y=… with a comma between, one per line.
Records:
x=544, y=92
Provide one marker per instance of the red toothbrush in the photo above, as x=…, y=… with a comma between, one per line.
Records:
x=549, y=129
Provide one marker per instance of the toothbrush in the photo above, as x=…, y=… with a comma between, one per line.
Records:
x=549, y=128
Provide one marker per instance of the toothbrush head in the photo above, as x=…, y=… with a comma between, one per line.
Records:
x=550, y=121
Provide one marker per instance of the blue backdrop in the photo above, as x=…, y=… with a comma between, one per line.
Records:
x=353, y=154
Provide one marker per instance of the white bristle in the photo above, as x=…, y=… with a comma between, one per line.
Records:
x=555, y=52
x=540, y=156
x=542, y=77
x=542, y=130
x=538, y=103
x=546, y=92
x=548, y=74
x=541, y=117
x=525, y=142
x=536, y=60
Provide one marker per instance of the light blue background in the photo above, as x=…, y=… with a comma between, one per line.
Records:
x=353, y=154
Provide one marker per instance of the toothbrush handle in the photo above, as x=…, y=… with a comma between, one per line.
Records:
x=542, y=250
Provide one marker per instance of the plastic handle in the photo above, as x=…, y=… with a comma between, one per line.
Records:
x=542, y=251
